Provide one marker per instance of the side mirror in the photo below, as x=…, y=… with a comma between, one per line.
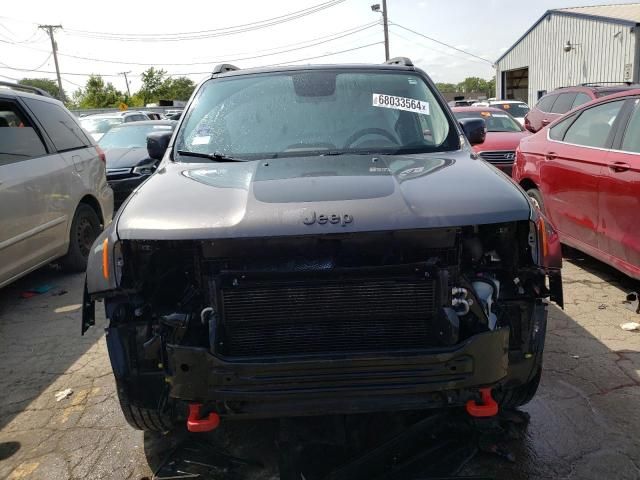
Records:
x=157, y=143
x=475, y=129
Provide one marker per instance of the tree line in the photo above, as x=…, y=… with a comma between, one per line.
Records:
x=96, y=93
x=470, y=84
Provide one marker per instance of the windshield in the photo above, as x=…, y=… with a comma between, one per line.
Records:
x=130, y=136
x=316, y=112
x=496, y=122
x=514, y=109
x=100, y=125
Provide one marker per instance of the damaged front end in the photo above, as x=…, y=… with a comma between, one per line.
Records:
x=334, y=323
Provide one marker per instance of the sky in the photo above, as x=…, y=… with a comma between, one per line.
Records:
x=346, y=32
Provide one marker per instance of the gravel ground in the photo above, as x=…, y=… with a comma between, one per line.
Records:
x=584, y=420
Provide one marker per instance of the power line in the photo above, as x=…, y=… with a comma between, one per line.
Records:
x=321, y=5
x=451, y=54
x=209, y=71
x=322, y=56
x=218, y=32
x=72, y=83
x=31, y=69
x=315, y=42
x=442, y=43
x=335, y=36
x=28, y=40
x=10, y=78
x=62, y=73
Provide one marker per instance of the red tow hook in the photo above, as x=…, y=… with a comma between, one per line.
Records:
x=197, y=424
x=489, y=407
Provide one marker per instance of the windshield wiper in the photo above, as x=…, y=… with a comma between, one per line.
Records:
x=215, y=156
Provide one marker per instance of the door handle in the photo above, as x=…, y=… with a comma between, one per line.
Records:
x=619, y=167
x=551, y=156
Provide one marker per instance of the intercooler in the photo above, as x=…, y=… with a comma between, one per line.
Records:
x=327, y=312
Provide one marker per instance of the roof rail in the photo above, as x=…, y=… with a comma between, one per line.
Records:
x=224, y=67
x=26, y=88
x=599, y=84
x=406, y=61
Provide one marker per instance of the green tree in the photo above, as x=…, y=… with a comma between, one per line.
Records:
x=156, y=85
x=153, y=83
x=179, y=88
x=97, y=94
x=473, y=84
x=491, y=88
x=49, y=86
x=447, y=87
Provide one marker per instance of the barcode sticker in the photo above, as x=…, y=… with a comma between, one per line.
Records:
x=400, y=103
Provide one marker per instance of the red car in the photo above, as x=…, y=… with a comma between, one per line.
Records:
x=555, y=104
x=503, y=135
x=583, y=171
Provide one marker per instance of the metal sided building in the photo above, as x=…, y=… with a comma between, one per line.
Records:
x=572, y=46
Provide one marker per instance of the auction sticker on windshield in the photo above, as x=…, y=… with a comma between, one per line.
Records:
x=400, y=103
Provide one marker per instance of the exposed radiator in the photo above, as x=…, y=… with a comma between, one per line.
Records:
x=269, y=316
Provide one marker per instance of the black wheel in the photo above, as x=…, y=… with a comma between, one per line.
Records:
x=509, y=398
x=85, y=227
x=142, y=415
x=536, y=198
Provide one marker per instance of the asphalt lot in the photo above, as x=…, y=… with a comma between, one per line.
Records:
x=584, y=421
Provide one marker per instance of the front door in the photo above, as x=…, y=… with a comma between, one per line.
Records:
x=571, y=173
x=620, y=197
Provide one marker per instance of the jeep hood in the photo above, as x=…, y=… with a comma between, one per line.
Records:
x=313, y=195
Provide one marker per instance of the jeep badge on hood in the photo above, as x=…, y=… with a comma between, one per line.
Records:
x=343, y=219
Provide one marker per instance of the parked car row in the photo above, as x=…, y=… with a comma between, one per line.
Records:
x=515, y=108
x=100, y=123
x=557, y=103
x=128, y=162
x=503, y=135
x=581, y=167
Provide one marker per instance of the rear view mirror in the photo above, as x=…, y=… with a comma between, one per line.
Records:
x=157, y=143
x=475, y=129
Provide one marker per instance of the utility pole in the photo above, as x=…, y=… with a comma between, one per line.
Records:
x=127, y=82
x=386, y=29
x=50, y=29
x=385, y=23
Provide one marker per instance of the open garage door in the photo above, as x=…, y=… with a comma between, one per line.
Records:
x=515, y=84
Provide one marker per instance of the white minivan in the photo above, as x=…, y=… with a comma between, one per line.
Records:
x=54, y=196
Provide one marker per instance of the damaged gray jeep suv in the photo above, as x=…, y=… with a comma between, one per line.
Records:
x=322, y=240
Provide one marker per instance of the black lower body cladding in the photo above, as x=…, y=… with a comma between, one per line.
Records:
x=316, y=325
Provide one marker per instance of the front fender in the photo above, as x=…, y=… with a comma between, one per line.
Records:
x=100, y=266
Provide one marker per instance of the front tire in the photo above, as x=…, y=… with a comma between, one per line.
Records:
x=536, y=198
x=85, y=228
x=159, y=419
x=510, y=398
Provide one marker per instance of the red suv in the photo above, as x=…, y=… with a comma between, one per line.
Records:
x=583, y=170
x=555, y=104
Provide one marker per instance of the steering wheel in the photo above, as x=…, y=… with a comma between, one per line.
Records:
x=369, y=131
